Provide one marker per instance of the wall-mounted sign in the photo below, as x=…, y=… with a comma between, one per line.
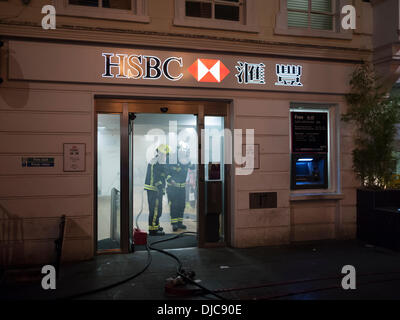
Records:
x=253, y=73
x=37, y=162
x=208, y=70
x=138, y=66
x=74, y=157
x=309, y=131
x=288, y=75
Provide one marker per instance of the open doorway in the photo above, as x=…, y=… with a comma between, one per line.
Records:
x=194, y=196
x=165, y=164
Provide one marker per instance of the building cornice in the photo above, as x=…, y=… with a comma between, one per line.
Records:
x=183, y=42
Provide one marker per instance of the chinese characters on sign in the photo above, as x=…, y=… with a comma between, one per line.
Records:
x=309, y=131
x=250, y=73
x=288, y=75
x=254, y=73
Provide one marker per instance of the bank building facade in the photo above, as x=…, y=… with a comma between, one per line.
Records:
x=251, y=92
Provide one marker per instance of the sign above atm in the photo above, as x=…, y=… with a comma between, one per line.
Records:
x=58, y=62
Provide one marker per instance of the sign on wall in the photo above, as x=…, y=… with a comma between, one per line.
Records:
x=37, y=162
x=135, y=66
x=309, y=131
x=74, y=157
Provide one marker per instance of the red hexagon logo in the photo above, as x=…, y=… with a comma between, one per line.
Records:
x=208, y=70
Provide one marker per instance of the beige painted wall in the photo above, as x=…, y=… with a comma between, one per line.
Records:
x=36, y=123
x=293, y=220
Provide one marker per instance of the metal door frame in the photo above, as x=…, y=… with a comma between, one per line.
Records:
x=126, y=106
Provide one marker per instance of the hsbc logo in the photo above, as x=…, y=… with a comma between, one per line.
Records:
x=208, y=70
x=141, y=67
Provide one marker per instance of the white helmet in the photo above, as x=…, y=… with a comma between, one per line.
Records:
x=183, y=150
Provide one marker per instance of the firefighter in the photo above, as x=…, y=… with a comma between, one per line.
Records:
x=155, y=187
x=176, y=186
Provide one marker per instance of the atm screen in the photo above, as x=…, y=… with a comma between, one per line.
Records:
x=309, y=171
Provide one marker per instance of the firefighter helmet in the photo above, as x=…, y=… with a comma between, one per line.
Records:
x=184, y=151
x=163, y=148
x=183, y=146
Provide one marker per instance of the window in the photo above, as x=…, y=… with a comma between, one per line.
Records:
x=314, y=14
x=232, y=15
x=215, y=9
x=131, y=10
x=311, y=18
x=114, y=4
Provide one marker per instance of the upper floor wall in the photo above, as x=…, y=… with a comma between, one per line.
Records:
x=261, y=26
x=386, y=40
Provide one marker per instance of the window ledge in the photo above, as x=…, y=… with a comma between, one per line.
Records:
x=313, y=33
x=316, y=196
x=205, y=23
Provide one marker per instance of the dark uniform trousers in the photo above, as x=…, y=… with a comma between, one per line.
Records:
x=154, y=199
x=177, y=201
x=154, y=184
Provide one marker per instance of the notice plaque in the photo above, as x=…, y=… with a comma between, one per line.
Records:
x=309, y=131
x=37, y=162
x=74, y=156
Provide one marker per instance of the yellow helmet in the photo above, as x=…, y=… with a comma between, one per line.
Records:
x=163, y=148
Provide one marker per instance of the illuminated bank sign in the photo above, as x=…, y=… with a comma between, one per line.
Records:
x=172, y=68
x=109, y=65
x=140, y=67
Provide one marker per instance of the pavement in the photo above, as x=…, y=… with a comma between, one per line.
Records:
x=302, y=271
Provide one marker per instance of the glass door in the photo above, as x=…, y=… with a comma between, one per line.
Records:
x=108, y=181
x=214, y=173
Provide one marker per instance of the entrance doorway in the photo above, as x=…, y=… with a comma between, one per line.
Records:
x=177, y=211
x=188, y=189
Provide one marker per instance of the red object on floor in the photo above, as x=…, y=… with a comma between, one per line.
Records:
x=139, y=237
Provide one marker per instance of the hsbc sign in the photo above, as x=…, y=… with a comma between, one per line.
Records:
x=139, y=67
x=203, y=70
x=173, y=68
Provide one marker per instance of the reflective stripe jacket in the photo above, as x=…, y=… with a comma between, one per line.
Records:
x=155, y=177
x=177, y=174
